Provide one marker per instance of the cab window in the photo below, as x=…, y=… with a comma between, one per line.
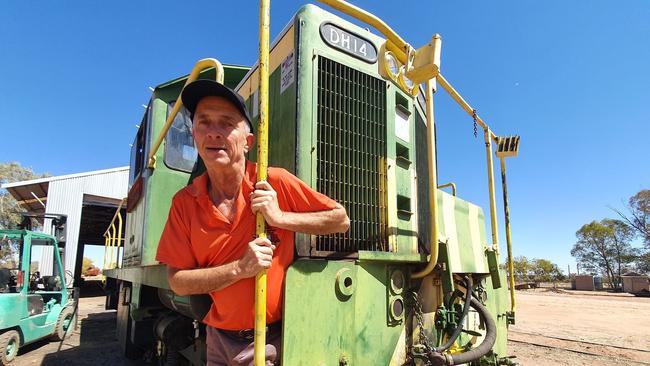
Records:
x=138, y=149
x=180, y=152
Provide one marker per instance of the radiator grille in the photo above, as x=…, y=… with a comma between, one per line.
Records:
x=351, y=137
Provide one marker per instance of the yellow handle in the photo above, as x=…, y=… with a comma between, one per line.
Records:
x=262, y=164
x=200, y=66
x=433, y=183
x=395, y=43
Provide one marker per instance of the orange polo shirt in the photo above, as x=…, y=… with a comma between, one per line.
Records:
x=197, y=235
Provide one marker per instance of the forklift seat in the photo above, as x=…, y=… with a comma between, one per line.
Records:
x=35, y=304
x=5, y=277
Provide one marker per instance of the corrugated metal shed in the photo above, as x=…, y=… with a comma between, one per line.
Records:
x=67, y=195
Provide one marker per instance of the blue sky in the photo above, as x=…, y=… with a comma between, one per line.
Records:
x=570, y=77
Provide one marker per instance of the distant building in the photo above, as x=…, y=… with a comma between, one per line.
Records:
x=634, y=282
x=89, y=200
x=584, y=283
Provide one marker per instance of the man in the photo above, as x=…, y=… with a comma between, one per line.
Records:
x=209, y=242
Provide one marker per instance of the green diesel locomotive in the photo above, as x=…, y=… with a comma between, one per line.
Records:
x=415, y=280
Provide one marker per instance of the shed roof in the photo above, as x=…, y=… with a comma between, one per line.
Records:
x=32, y=194
x=632, y=274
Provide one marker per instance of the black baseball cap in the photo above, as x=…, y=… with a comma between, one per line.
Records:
x=199, y=89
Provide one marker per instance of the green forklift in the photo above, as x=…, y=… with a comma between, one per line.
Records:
x=32, y=306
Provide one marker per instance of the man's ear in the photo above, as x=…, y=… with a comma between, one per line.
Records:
x=250, y=141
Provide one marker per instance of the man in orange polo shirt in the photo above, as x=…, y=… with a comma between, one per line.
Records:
x=209, y=242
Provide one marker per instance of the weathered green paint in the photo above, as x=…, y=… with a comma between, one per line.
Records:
x=322, y=325
x=493, y=262
x=282, y=120
x=457, y=220
x=154, y=276
x=366, y=255
x=498, y=303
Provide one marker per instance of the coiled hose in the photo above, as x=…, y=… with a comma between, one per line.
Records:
x=459, y=327
x=436, y=357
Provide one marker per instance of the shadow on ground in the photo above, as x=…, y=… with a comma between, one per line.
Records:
x=92, y=288
x=97, y=345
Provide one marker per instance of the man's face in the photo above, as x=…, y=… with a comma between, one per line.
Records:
x=221, y=132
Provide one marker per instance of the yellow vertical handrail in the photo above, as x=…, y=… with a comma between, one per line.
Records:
x=259, y=355
x=106, y=244
x=433, y=182
x=113, y=243
x=113, y=238
x=430, y=86
x=489, y=136
x=119, y=238
x=198, y=67
x=506, y=211
x=493, y=204
x=396, y=44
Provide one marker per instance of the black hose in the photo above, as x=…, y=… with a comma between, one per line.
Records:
x=488, y=341
x=459, y=326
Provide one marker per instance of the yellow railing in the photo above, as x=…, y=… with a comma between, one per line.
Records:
x=262, y=164
x=423, y=66
x=113, y=238
x=450, y=184
x=200, y=66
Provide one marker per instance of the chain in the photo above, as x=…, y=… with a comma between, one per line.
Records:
x=423, y=347
x=474, y=116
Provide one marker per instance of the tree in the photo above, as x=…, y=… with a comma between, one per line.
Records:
x=605, y=247
x=643, y=262
x=537, y=270
x=9, y=253
x=9, y=208
x=639, y=207
x=639, y=219
x=86, y=264
x=546, y=271
x=521, y=267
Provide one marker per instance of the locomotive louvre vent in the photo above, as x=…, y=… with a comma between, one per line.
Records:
x=351, y=165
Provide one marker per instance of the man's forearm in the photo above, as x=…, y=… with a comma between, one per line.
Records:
x=202, y=280
x=318, y=223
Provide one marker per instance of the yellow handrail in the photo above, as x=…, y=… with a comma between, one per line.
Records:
x=259, y=356
x=119, y=241
x=433, y=182
x=493, y=201
x=113, y=238
x=450, y=184
x=112, y=245
x=463, y=104
x=107, y=241
x=396, y=44
x=403, y=52
x=200, y=66
x=489, y=136
x=119, y=207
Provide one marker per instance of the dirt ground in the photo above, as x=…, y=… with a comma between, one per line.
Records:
x=562, y=327
x=92, y=343
x=553, y=328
